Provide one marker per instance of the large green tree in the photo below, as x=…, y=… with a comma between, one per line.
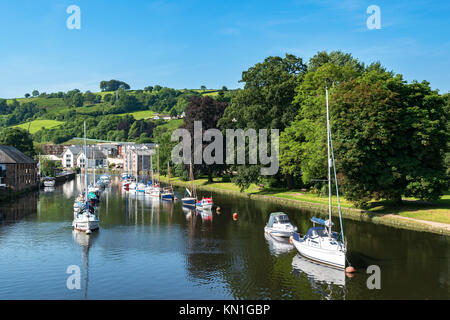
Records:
x=390, y=138
x=303, y=143
x=18, y=138
x=264, y=103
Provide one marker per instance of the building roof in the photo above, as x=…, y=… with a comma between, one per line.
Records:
x=10, y=154
x=94, y=153
x=75, y=149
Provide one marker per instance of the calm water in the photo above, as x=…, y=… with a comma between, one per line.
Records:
x=148, y=249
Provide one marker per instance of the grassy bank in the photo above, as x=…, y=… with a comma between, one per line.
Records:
x=37, y=125
x=412, y=214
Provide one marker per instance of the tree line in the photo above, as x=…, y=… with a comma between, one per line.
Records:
x=391, y=137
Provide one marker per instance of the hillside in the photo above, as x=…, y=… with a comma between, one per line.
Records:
x=58, y=117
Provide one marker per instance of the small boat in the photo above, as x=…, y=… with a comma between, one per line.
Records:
x=141, y=187
x=106, y=179
x=205, y=204
x=190, y=197
x=94, y=188
x=155, y=191
x=49, y=181
x=279, y=225
x=321, y=244
x=167, y=192
x=189, y=200
x=132, y=186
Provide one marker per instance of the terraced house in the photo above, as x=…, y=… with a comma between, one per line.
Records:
x=17, y=170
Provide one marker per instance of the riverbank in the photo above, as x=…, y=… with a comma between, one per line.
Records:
x=412, y=214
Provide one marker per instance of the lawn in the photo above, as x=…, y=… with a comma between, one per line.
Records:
x=437, y=211
x=37, y=125
x=139, y=115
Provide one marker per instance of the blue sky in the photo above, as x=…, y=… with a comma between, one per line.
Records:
x=186, y=44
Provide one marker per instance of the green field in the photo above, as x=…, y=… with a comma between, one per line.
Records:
x=37, y=125
x=139, y=115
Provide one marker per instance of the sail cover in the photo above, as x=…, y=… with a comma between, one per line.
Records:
x=322, y=222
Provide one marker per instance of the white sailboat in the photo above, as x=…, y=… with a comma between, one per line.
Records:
x=321, y=244
x=85, y=219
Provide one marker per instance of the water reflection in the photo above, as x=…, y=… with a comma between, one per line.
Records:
x=277, y=245
x=49, y=189
x=328, y=282
x=171, y=252
x=85, y=242
x=15, y=210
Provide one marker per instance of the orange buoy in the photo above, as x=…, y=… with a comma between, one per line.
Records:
x=291, y=240
x=349, y=269
x=176, y=198
x=235, y=216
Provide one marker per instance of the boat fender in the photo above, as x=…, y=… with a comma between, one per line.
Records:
x=291, y=240
x=349, y=269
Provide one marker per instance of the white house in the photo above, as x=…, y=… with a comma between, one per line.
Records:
x=156, y=118
x=96, y=158
x=69, y=157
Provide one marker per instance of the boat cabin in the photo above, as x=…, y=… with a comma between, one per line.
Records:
x=278, y=218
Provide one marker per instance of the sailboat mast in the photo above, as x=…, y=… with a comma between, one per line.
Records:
x=157, y=163
x=192, y=181
x=151, y=168
x=85, y=165
x=168, y=173
x=329, y=162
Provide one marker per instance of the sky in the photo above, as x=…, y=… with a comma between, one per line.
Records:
x=187, y=44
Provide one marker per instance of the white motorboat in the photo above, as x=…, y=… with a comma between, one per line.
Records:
x=153, y=191
x=279, y=225
x=106, y=179
x=205, y=204
x=49, y=181
x=141, y=187
x=321, y=243
x=132, y=186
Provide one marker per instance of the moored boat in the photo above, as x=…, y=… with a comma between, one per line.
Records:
x=321, y=244
x=49, y=181
x=279, y=225
x=190, y=197
x=205, y=204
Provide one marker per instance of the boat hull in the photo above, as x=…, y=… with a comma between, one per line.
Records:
x=85, y=225
x=189, y=202
x=49, y=183
x=278, y=233
x=334, y=258
x=167, y=196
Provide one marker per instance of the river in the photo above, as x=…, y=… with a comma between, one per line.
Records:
x=148, y=249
